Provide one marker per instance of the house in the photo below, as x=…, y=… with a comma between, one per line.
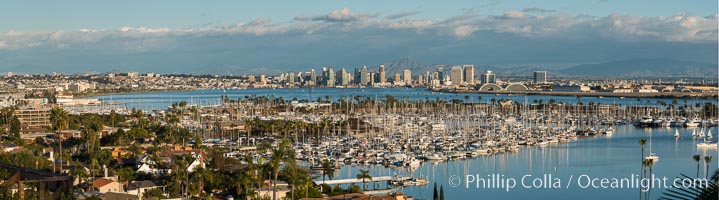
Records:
x=139, y=188
x=104, y=185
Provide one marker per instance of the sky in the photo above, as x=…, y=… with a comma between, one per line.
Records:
x=201, y=36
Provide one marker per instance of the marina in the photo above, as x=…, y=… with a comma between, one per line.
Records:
x=410, y=144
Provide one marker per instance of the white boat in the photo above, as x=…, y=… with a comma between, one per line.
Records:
x=709, y=134
x=707, y=145
x=652, y=157
x=692, y=123
x=609, y=131
x=434, y=157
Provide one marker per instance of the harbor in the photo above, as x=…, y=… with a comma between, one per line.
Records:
x=410, y=144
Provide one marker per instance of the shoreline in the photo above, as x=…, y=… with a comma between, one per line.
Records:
x=657, y=95
x=85, y=96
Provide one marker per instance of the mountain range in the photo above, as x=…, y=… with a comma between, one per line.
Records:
x=626, y=68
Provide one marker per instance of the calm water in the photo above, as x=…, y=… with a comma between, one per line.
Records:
x=160, y=100
x=616, y=156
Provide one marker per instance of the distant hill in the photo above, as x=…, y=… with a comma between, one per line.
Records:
x=400, y=65
x=644, y=67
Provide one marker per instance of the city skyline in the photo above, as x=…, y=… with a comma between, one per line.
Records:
x=190, y=38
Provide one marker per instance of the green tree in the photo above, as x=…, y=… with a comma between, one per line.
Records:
x=441, y=192
x=328, y=169
x=697, y=158
x=707, y=163
x=364, y=176
x=435, y=195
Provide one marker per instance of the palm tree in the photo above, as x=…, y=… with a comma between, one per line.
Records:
x=707, y=162
x=279, y=154
x=642, y=142
x=697, y=157
x=364, y=175
x=328, y=169
x=649, y=163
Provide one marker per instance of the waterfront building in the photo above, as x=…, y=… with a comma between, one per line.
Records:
x=263, y=80
x=345, y=78
x=397, y=77
x=329, y=76
x=439, y=73
x=364, y=76
x=313, y=77
x=456, y=75
x=540, y=77
x=488, y=77
x=382, y=77
x=570, y=88
x=407, y=76
x=291, y=78
x=469, y=74
x=132, y=75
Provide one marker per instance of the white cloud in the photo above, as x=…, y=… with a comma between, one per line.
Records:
x=341, y=15
x=400, y=35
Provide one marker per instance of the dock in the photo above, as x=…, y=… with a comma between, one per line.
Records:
x=353, y=180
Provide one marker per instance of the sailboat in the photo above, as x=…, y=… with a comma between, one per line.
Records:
x=676, y=133
x=709, y=134
x=651, y=156
x=707, y=144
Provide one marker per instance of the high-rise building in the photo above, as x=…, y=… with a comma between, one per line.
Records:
x=364, y=76
x=357, y=76
x=313, y=77
x=440, y=73
x=329, y=76
x=344, y=77
x=397, y=77
x=407, y=76
x=382, y=75
x=540, y=77
x=456, y=75
x=251, y=78
x=488, y=77
x=263, y=81
x=469, y=74
x=291, y=78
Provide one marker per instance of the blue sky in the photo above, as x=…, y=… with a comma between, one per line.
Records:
x=251, y=36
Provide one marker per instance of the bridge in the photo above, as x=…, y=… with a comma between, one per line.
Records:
x=43, y=181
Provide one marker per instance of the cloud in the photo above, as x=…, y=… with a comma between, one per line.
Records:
x=511, y=14
x=341, y=15
x=537, y=10
x=360, y=38
x=401, y=15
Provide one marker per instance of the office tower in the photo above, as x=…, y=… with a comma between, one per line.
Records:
x=357, y=76
x=407, y=76
x=469, y=74
x=382, y=77
x=397, y=77
x=291, y=78
x=540, y=77
x=420, y=80
x=313, y=77
x=364, y=76
x=456, y=75
x=440, y=73
x=329, y=76
x=344, y=77
x=488, y=77
x=263, y=80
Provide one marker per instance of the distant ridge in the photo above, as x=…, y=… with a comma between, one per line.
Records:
x=644, y=68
